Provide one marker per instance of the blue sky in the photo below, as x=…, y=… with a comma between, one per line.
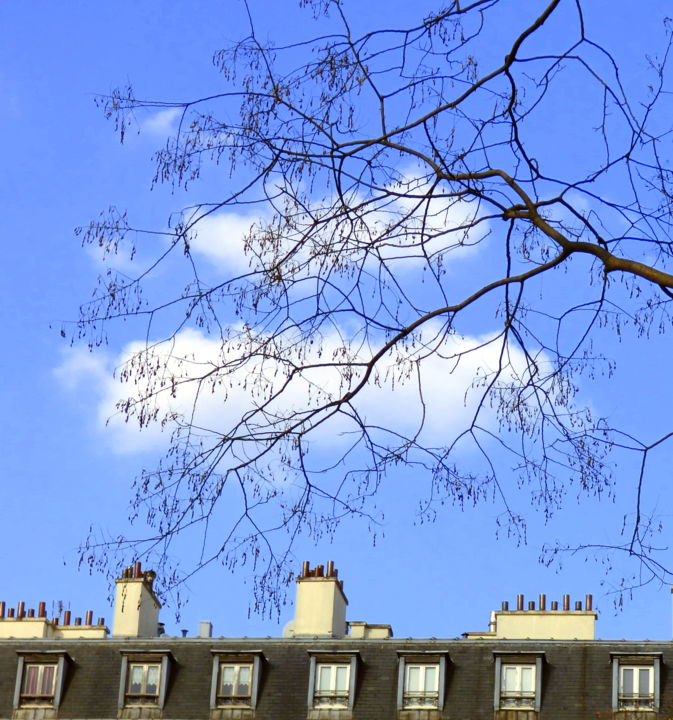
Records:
x=64, y=470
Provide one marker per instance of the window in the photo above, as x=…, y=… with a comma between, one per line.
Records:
x=332, y=681
x=635, y=682
x=421, y=686
x=144, y=680
x=332, y=685
x=517, y=686
x=518, y=682
x=234, y=686
x=636, y=687
x=143, y=683
x=235, y=681
x=420, y=682
x=39, y=680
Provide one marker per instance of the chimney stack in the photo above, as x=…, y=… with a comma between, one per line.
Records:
x=320, y=608
x=136, y=611
x=541, y=623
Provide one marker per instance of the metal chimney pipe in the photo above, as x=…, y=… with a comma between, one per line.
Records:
x=66, y=617
x=578, y=605
x=2, y=609
x=42, y=610
x=10, y=613
x=505, y=605
x=543, y=602
x=305, y=568
x=101, y=621
x=531, y=604
x=554, y=604
x=137, y=569
x=330, y=568
x=78, y=621
x=31, y=613
x=589, y=604
x=88, y=618
x=20, y=610
x=519, y=602
x=566, y=602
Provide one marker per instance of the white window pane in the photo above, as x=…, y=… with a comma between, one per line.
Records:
x=413, y=678
x=227, y=680
x=627, y=681
x=644, y=687
x=244, y=674
x=136, y=679
x=342, y=678
x=152, y=680
x=510, y=678
x=527, y=680
x=324, y=678
x=431, y=677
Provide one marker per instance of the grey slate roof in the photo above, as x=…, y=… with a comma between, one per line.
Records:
x=576, y=676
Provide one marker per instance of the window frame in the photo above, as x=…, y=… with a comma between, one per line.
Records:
x=147, y=671
x=434, y=658
x=503, y=660
x=347, y=658
x=630, y=661
x=129, y=658
x=250, y=658
x=58, y=659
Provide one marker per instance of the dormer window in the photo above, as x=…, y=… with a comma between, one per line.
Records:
x=517, y=686
x=144, y=681
x=39, y=682
x=421, y=686
x=635, y=682
x=235, y=683
x=421, y=680
x=636, y=687
x=332, y=681
x=518, y=681
x=234, y=686
x=332, y=685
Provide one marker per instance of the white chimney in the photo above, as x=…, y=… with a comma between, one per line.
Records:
x=205, y=629
x=321, y=604
x=541, y=623
x=136, y=611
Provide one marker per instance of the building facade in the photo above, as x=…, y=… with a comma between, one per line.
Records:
x=532, y=664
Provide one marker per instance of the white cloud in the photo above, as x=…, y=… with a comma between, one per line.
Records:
x=425, y=225
x=439, y=390
x=184, y=379
x=162, y=123
x=82, y=368
x=220, y=238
